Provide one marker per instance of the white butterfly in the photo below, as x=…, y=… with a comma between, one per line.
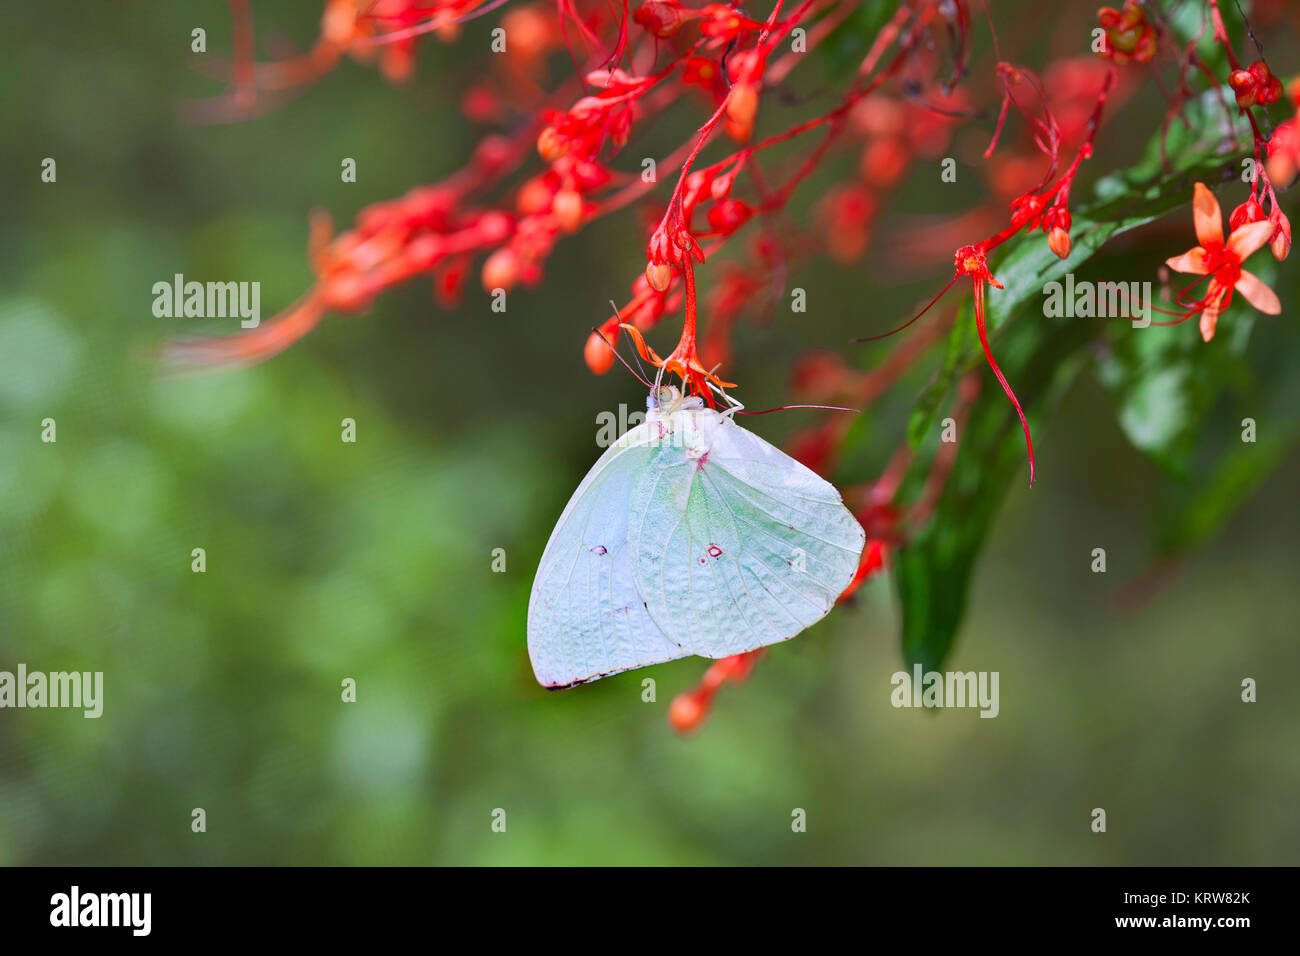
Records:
x=690, y=535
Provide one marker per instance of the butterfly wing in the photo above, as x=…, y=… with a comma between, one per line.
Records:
x=735, y=545
x=585, y=619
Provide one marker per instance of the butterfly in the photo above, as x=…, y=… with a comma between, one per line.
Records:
x=690, y=535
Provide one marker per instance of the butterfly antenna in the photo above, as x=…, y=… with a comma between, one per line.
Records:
x=784, y=408
x=928, y=305
x=636, y=358
x=643, y=379
x=739, y=409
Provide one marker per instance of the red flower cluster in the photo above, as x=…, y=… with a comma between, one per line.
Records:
x=1251, y=225
x=1255, y=86
x=556, y=163
x=1128, y=35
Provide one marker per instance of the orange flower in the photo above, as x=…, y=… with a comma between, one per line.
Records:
x=1221, y=261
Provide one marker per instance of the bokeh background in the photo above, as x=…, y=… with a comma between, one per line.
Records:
x=372, y=560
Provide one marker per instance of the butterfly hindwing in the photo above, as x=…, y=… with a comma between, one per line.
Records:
x=734, y=544
x=585, y=619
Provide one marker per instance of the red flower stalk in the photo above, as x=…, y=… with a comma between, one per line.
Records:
x=690, y=709
x=684, y=360
x=972, y=261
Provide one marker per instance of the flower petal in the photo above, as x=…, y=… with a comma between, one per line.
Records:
x=1207, y=216
x=1245, y=240
x=1215, y=302
x=1209, y=320
x=1258, y=294
x=1195, y=260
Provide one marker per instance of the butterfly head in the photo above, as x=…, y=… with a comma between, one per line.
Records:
x=666, y=399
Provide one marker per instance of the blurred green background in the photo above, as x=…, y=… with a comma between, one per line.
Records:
x=372, y=560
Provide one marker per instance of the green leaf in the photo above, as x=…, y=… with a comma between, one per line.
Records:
x=1040, y=355
x=933, y=570
x=1225, y=467
x=1206, y=504
x=1166, y=381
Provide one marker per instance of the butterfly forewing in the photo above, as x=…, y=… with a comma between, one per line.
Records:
x=735, y=545
x=585, y=619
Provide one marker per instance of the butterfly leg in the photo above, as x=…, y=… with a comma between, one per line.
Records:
x=735, y=406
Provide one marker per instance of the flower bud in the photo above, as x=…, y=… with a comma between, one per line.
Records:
x=493, y=227
x=659, y=275
x=721, y=186
x=529, y=29
x=567, y=209
x=588, y=175
x=884, y=161
x=1283, y=154
x=550, y=145
x=1245, y=85
x=535, y=196
x=1058, y=240
x=501, y=270
x=599, y=351
x=1281, y=241
x=1262, y=74
x=696, y=183
x=687, y=712
x=741, y=109
x=1248, y=212
x=1272, y=92
x=728, y=215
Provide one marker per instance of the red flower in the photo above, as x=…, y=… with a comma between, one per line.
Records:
x=1128, y=34
x=1255, y=86
x=1221, y=261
